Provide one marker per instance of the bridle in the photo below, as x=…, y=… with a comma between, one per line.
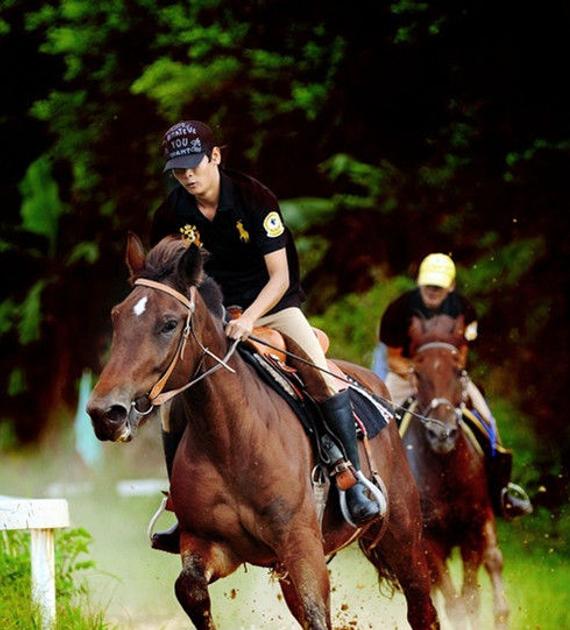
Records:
x=434, y=403
x=156, y=396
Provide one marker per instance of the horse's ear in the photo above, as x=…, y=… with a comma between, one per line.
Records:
x=190, y=266
x=135, y=255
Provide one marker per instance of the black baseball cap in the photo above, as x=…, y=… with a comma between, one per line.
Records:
x=186, y=143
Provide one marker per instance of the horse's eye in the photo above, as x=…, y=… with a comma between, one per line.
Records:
x=169, y=326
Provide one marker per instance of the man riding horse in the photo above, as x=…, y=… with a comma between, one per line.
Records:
x=253, y=258
x=436, y=295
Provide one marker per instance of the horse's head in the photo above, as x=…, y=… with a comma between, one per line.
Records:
x=435, y=346
x=155, y=333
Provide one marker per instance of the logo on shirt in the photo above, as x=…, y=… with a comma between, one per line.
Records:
x=190, y=235
x=243, y=233
x=273, y=225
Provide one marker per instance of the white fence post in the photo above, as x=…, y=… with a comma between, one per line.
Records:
x=41, y=516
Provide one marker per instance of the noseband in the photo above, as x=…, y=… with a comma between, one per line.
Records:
x=156, y=396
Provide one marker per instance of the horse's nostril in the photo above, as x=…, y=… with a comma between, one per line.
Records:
x=116, y=414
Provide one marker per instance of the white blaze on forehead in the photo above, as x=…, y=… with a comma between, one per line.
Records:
x=140, y=307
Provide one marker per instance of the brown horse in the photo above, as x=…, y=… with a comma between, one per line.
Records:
x=449, y=469
x=241, y=482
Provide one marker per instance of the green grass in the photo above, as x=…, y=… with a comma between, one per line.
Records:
x=74, y=610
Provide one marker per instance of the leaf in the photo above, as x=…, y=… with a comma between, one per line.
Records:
x=30, y=314
x=17, y=382
x=41, y=206
x=8, y=313
x=86, y=250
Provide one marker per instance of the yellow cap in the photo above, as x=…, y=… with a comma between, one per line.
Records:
x=437, y=270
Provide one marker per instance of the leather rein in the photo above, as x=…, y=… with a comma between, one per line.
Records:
x=156, y=396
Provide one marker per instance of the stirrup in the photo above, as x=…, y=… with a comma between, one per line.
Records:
x=376, y=493
x=155, y=517
x=516, y=492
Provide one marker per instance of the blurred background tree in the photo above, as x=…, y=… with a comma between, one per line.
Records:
x=389, y=130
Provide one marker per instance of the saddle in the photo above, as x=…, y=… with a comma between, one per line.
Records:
x=371, y=414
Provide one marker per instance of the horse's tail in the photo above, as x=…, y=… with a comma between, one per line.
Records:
x=387, y=581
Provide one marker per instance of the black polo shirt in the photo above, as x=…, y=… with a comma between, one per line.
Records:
x=396, y=321
x=247, y=226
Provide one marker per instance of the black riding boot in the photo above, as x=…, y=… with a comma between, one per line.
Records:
x=509, y=500
x=338, y=415
x=168, y=540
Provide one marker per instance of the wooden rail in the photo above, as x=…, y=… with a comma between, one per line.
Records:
x=41, y=517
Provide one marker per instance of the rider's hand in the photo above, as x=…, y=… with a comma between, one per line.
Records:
x=239, y=328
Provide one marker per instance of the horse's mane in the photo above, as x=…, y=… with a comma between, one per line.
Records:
x=441, y=328
x=162, y=263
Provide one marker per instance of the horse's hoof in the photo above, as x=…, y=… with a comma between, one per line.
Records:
x=168, y=541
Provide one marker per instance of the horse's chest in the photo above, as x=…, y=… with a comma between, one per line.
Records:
x=448, y=503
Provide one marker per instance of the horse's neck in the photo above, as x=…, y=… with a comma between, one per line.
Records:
x=218, y=410
x=459, y=465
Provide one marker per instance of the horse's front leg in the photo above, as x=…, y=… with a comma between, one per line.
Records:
x=441, y=578
x=472, y=555
x=202, y=563
x=493, y=561
x=306, y=585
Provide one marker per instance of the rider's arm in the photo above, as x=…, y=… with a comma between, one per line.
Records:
x=399, y=364
x=269, y=296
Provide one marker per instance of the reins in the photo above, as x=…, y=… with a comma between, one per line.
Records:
x=423, y=419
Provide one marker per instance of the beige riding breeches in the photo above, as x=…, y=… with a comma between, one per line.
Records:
x=292, y=322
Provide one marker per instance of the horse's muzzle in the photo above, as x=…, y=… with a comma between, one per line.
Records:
x=110, y=422
x=442, y=441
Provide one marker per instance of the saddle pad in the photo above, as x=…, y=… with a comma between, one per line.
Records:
x=371, y=412
x=373, y=415
x=266, y=373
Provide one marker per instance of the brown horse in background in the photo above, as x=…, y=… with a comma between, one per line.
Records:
x=449, y=469
x=241, y=482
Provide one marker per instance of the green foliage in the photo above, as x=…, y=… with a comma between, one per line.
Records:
x=16, y=609
x=86, y=250
x=41, y=205
x=173, y=84
x=378, y=183
x=311, y=250
x=352, y=322
x=26, y=317
x=499, y=267
x=517, y=434
x=301, y=214
x=17, y=382
x=30, y=314
x=8, y=314
x=390, y=135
